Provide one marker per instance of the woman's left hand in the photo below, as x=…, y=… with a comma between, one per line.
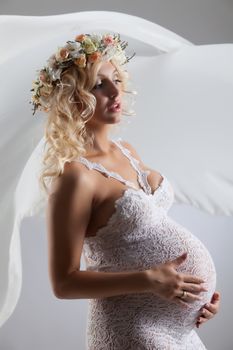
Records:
x=209, y=310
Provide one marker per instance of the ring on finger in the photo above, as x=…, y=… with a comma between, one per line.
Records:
x=183, y=295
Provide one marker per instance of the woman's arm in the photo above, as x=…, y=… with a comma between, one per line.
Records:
x=68, y=213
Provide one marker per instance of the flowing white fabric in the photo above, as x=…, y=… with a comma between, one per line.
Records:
x=183, y=109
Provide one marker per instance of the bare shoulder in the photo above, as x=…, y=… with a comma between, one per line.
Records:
x=74, y=175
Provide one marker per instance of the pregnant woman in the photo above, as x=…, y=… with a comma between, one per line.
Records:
x=147, y=278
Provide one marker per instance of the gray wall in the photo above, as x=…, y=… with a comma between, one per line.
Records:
x=200, y=21
x=41, y=321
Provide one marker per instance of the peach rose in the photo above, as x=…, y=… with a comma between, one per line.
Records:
x=62, y=54
x=80, y=38
x=80, y=61
x=94, y=56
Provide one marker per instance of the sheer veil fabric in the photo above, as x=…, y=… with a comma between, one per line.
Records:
x=183, y=108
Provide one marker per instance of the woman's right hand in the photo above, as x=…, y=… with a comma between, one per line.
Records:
x=169, y=284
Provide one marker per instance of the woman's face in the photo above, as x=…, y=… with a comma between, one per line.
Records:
x=108, y=93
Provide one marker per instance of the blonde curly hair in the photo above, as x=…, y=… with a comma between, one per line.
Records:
x=72, y=105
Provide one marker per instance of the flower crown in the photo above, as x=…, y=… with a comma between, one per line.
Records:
x=85, y=48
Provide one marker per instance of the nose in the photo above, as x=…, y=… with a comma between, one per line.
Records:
x=113, y=90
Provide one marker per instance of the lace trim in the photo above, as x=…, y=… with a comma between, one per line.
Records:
x=101, y=168
x=142, y=175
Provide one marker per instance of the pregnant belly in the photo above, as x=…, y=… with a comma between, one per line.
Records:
x=171, y=240
x=166, y=241
x=162, y=241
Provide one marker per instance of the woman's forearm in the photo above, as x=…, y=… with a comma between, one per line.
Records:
x=95, y=284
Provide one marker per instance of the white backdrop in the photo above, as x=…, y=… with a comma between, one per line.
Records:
x=184, y=115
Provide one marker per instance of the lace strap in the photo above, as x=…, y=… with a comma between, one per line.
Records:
x=102, y=169
x=142, y=174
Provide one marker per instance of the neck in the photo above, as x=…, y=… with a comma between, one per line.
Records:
x=102, y=145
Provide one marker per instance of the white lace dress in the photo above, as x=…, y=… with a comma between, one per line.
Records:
x=140, y=235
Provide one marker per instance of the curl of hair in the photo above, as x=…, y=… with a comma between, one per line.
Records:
x=71, y=105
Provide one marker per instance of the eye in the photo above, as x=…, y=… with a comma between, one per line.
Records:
x=118, y=80
x=101, y=83
x=97, y=86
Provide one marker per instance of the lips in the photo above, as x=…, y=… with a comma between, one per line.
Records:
x=115, y=106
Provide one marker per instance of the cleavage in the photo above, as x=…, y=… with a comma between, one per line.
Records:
x=105, y=204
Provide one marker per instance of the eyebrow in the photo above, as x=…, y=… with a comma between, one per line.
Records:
x=102, y=75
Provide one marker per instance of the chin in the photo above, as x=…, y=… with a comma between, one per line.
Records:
x=114, y=120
